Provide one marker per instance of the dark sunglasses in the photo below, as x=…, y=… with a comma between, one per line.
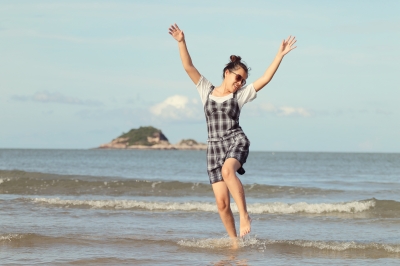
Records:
x=239, y=78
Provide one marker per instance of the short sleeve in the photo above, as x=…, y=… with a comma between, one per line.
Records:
x=203, y=87
x=246, y=94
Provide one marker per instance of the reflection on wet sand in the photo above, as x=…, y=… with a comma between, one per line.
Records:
x=231, y=260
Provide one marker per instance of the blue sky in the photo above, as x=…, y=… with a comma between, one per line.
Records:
x=76, y=74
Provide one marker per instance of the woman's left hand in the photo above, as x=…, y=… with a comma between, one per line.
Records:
x=287, y=45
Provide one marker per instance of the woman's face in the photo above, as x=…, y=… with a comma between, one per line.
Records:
x=235, y=79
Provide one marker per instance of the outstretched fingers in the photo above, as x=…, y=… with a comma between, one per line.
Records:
x=287, y=45
x=292, y=42
x=173, y=29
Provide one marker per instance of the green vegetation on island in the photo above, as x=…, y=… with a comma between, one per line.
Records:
x=147, y=136
x=150, y=138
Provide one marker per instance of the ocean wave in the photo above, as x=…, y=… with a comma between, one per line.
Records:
x=256, y=208
x=31, y=183
x=355, y=248
x=32, y=238
x=10, y=237
x=260, y=244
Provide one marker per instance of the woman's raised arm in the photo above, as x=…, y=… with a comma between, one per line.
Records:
x=286, y=47
x=179, y=36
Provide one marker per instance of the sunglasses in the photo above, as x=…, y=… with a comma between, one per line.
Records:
x=239, y=78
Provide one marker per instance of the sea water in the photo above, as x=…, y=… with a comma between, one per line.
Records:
x=145, y=207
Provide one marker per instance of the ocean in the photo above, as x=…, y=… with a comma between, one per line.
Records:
x=156, y=207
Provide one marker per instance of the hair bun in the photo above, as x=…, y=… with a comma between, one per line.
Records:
x=235, y=58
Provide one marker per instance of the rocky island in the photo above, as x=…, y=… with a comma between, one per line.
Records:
x=150, y=138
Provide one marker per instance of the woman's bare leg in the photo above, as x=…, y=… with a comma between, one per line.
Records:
x=235, y=187
x=222, y=199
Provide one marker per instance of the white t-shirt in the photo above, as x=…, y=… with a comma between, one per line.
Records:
x=244, y=95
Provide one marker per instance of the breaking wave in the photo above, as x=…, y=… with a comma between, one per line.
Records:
x=32, y=183
x=256, y=208
x=259, y=244
x=208, y=243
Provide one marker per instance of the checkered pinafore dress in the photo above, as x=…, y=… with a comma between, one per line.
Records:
x=226, y=138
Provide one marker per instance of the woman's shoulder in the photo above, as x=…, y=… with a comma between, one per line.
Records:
x=247, y=93
x=247, y=89
x=203, y=87
x=203, y=82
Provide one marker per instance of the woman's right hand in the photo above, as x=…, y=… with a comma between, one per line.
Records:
x=176, y=32
x=178, y=35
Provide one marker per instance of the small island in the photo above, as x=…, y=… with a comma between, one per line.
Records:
x=150, y=138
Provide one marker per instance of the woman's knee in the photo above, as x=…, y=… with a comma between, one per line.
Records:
x=223, y=205
x=227, y=172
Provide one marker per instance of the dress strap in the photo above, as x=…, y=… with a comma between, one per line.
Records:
x=211, y=89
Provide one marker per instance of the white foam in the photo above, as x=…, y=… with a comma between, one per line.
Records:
x=195, y=185
x=258, y=208
x=285, y=208
x=130, y=204
x=2, y=180
x=217, y=242
x=155, y=183
x=337, y=246
x=213, y=243
x=10, y=237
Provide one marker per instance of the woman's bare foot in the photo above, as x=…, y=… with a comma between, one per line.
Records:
x=235, y=244
x=245, y=225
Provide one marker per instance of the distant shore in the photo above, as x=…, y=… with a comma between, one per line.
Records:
x=150, y=138
x=157, y=147
x=121, y=143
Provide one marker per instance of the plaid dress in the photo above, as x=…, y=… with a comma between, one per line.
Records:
x=226, y=138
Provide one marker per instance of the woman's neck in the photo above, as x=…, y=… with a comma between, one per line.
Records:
x=221, y=90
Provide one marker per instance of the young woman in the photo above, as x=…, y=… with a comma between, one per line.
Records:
x=228, y=146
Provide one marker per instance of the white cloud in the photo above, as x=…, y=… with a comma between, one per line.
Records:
x=181, y=108
x=177, y=107
x=54, y=97
x=285, y=110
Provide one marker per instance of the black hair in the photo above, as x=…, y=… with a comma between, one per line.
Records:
x=235, y=63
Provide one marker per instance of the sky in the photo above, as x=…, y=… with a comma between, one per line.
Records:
x=77, y=74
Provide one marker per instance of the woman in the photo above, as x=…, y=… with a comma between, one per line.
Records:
x=228, y=146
